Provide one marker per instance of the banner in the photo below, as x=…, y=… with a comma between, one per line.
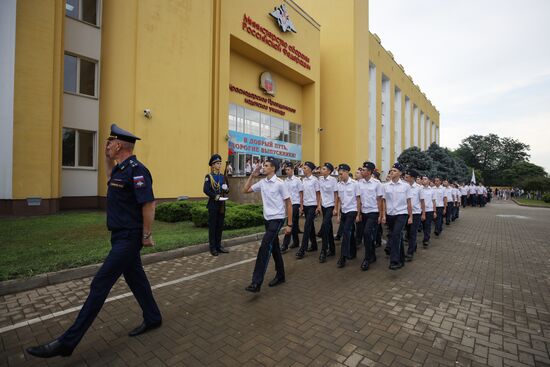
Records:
x=257, y=145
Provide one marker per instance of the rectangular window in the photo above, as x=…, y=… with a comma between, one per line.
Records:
x=84, y=10
x=78, y=148
x=79, y=75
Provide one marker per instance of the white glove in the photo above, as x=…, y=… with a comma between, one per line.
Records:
x=224, y=187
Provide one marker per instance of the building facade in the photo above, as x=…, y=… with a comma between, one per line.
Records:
x=299, y=80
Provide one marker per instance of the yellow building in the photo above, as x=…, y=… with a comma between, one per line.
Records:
x=299, y=80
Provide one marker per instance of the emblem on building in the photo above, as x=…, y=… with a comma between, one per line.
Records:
x=283, y=20
x=267, y=84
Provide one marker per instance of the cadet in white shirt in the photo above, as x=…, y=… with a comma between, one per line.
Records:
x=463, y=194
x=450, y=202
x=296, y=191
x=348, y=206
x=398, y=212
x=429, y=215
x=329, y=194
x=276, y=207
x=418, y=209
x=371, y=208
x=472, y=194
x=456, y=193
x=311, y=205
x=440, y=205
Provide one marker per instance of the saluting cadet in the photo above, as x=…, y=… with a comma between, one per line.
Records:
x=463, y=194
x=311, y=205
x=418, y=209
x=130, y=215
x=329, y=193
x=276, y=207
x=371, y=191
x=398, y=212
x=429, y=214
x=456, y=193
x=440, y=205
x=215, y=187
x=450, y=201
x=348, y=206
x=296, y=191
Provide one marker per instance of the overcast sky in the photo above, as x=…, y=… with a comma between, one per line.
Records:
x=485, y=64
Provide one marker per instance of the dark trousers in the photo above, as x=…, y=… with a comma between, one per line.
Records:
x=268, y=247
x=370, y=228
x=295, y=228
x=379, y=233
x=123, y=259
x=449, y=213
x=348, y=234
x=413, y=233
x=309, y=228
x=427, y=226
x=463, y=201
x=359, y=231
x=439, y=219
x=396, y=224
x=215, y=226
x=474, y=199
x=327, y=232
x=481, y=201
x=457, y=211
x=340, y=227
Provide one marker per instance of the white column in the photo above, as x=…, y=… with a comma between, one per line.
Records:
x=7, y=77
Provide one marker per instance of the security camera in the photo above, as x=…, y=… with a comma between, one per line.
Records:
x=147, y=113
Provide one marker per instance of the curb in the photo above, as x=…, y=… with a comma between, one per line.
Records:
x=42, y=280
x=530, y=205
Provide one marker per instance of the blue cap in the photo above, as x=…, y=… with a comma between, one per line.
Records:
x=344, y=166
x=329, y=166
x=274, y=161
x=215, y=158
x=398, y=166
x=369, y=165
x=120, y=134
x=311, y=165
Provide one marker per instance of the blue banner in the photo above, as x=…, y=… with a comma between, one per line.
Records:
x=257, y=145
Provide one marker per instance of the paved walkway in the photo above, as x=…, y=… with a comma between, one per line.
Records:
x=480, y=295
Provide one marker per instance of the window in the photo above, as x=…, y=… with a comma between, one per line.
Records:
x=78, y=148
x=84, y=10
x=79, y=75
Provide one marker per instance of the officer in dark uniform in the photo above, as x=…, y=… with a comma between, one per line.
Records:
x=130, y=215
x=215, y=187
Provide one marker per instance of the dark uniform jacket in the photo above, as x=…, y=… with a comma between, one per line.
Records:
x=210, y=190
x=130, y=186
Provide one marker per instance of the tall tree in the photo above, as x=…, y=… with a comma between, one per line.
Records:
x=413, y=157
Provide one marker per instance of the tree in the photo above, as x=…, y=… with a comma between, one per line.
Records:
x=521, y=171
x=413, y=157
x=536, y=184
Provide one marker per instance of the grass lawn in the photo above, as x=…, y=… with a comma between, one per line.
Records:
x=533, y=202
x=35, y=245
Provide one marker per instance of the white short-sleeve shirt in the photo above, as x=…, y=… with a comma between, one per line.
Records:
x=439, y=195
x=370, y=190
x=294, y=186
x=448, y=193
x=311, y=186
x=348, y=191
x=328, y=186
x=456, y=193
x=463, y=190
x=415, y=198
x=396, y=195
x=472, y=189
x=274, y=193
x=427, y=194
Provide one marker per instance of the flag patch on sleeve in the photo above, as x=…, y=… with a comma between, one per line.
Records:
x=139, y=182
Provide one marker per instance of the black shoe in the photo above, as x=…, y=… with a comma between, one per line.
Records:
x=223, y=250
x=284, y=249
x=337, y=238
x=331, y=253
x=253, y=287
x=436, y=233
x=395, y=266
x=341, y=262
x=51, y=349
x=300, y=231
x=294, y=245
x=312, y=249
x=323, y=257
x=276, y=281
x=387, y=250
x=144, y=328
x=408, y=257
x=300, y=254
x=319, y=234
x=425, y=243
x=365, y=265
x=214, y=252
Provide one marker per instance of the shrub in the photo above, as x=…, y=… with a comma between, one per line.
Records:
x=546, y=198
x=236, y=216
x=176, y=211
x=199, y=216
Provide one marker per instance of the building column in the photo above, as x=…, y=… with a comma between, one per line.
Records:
x=7, y=74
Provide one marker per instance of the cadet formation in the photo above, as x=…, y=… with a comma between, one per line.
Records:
x=369, y=214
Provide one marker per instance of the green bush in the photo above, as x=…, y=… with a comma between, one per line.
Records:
x=199, y=216
x=546, y=198
x=177, y=211
x=236, y=216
